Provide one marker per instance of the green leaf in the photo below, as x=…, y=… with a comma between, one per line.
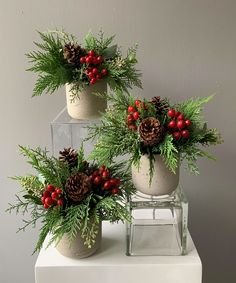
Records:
x=110, y=52
x=36, y=200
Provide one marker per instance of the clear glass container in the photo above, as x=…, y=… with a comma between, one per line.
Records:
x=68, y=132
x=159, y=224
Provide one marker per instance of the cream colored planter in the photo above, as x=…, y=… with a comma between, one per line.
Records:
x=163, y=182
x=87, y=105
x=77, y=249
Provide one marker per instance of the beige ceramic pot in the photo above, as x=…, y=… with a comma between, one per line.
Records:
x=163, y=182
x=87, y=105
x=77, y=249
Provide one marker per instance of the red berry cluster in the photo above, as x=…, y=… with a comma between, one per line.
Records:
x=94, y=70
x=101, y=178
x=178, y=124
x=52, y=197
x=134, y=114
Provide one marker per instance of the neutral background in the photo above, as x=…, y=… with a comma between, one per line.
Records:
x=186, y=48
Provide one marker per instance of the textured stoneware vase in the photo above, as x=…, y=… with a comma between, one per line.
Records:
x=87, y=106
x=77, y=249
x=163, y=182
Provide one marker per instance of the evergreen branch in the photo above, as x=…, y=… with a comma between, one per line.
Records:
x=54, y=171
x=169, y=153
x=192, y=109
x=31, y=184
x=52, y=219
x=112, y=210
x=20, y=206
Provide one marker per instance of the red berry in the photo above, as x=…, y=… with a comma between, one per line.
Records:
x=99, y=59
x=104, y=72
x=115, y=191
x=98, y=77
x=98, y=180
x=95, y=174
x=91, y=178
x=180, y=124
x=177, y=113
x=117, y=181
x=133, y=127
x=93, y=81
x=136, y=115
x=49, y=201
x=95, y=62
x=105, y=174
x=45, y=206
x=95, y=71
x=172, y=124
x=176, y=135
x=131, y=109
x=43, y=199
x=91, y=75
x=46, y=194
x=171, y=113
x=188, y=122
x=113, y=182
x=130, y=121
x=185, y=134
x=58, y=191
x=102, y=168
x=89, y=59
x=180, y=117
x=107, y=185
x=130, y=117
x=91, y=53
x=137, y=103
x=50, y=188
x=54, y=195
x=60, y=202
x=82, y=60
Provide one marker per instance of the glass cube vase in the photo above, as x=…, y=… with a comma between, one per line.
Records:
x=67, y=132
x=159, y=225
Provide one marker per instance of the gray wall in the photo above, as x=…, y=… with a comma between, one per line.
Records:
x=186, y=48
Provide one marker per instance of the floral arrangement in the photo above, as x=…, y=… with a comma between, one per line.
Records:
x=135, y=127
x=60, y=60
x=69, y=194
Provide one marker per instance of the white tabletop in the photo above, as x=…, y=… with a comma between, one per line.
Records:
x=111, y=265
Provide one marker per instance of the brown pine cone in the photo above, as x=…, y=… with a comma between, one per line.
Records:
x=151, y=131
x=160, y=104
x=72, y=53
x=77, y=187
x=70, y=156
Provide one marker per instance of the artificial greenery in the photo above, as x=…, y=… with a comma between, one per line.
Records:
x=53, y=68
x=119, y=136
x=66, y=216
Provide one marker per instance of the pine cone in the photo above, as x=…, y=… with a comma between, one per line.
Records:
x=77, y=187
x=151, y=131
x=160, y=104
x=70, y=156
x=72, y=52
